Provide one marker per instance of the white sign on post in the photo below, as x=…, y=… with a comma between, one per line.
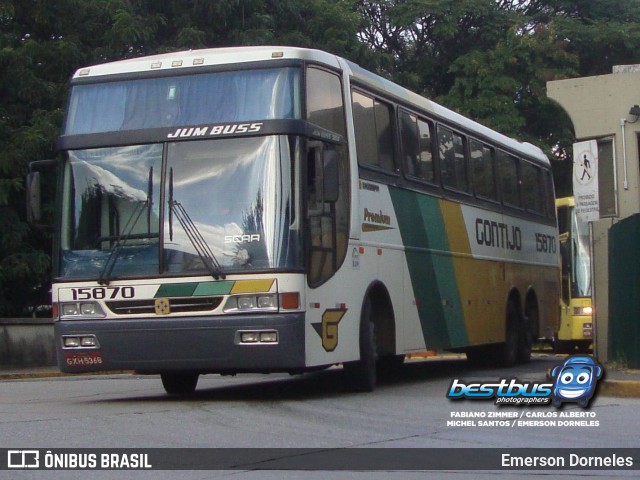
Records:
x=585, y=180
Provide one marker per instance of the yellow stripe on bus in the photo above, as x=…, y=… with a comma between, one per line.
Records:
x=252, y=286
x=477, y=281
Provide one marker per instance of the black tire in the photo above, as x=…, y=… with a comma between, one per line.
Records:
x=362, y=374
x=525, y=337
x=584, y=346
x=481, y=356
x=561, y=346
x=390, y=363
x=509, y=349
x=179, y=383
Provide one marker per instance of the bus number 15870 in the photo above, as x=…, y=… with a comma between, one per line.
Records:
x=545, y=243
x=101, y=293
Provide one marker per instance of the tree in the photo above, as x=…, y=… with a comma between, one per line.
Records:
x=43, y=42
x=488, y=59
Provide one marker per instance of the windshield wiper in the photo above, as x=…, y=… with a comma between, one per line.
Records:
x=105, y=273
x=125, y=234
x=195, y=237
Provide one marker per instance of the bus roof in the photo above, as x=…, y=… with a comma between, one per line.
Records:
x=206, y=57
x=232, y=55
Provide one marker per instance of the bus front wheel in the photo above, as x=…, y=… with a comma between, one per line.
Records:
x=362, y=375
x=179, y=383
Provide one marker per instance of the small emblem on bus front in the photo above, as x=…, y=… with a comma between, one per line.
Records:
x=162, y=306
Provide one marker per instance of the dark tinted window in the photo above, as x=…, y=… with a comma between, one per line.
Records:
x=509, y=182
x=417, y=155
x=549, y=194
x=452, y=162
x=533, y=188
x=324, y=100
x=372, y=125
x=482, y=166
x=201, y=99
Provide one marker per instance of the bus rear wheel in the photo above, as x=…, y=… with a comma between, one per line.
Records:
x=525, y=336
x=508, y=355
x=179, y=383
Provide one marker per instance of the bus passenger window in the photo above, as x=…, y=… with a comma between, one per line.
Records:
x=372, y=125
x=509, y=181
x=324, y=100
x=533, y=188
x=416, y=147
x=549, y=195
x=484, y=179
x=452, y=161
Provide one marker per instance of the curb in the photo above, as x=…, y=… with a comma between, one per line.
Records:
x=56, y=374
x=606, y=388
x=27, y=375
x=620, y=388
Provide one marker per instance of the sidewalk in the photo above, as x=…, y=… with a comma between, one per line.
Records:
x=620, y=383
x=616, y=383
x=26, y=373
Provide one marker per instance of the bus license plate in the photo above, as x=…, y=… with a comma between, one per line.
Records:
x=83, y=359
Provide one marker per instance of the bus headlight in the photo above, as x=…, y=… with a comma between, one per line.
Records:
x=246, y=303
x=80, y=341
x=69, y=309
x=582, y=310
x=81, y=310
x=260, y=337
x=267, y=301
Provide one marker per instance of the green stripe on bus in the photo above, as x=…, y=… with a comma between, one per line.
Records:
x=213, y=288
x=431, y=268
x=176, y=290
x=197, y=289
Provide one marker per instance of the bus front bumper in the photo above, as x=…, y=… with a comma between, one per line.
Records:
x=226, y=344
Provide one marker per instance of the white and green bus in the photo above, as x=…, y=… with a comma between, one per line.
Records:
x=275, y=209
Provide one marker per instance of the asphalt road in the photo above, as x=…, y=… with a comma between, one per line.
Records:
x=409, y=409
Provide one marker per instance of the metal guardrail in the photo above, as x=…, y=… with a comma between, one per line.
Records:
x=26, y=342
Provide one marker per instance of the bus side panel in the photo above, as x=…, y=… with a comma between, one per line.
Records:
x=481, y=283
x=334, y=308
x=463, y=263
x=333, y=314
x=431, y=269
x=528, y=257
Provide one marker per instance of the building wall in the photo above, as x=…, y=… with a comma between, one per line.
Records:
x=599, y=107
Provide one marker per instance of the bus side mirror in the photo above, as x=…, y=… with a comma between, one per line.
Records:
x=330, y=187
x=33, y=190
x=34, y=204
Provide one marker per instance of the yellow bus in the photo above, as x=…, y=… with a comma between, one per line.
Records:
x=575, y=331
x=272, y=209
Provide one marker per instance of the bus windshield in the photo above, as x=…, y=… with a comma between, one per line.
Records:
x=236, y=196
x=236, y=96
x=581, y=258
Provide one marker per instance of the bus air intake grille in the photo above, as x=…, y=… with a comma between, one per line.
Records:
x=176, y=305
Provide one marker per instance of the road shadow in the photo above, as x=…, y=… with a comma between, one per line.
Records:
x=334, y=382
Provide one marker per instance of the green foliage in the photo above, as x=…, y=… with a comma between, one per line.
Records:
x=488, y=59
x=43, y=42
x=491, y=59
